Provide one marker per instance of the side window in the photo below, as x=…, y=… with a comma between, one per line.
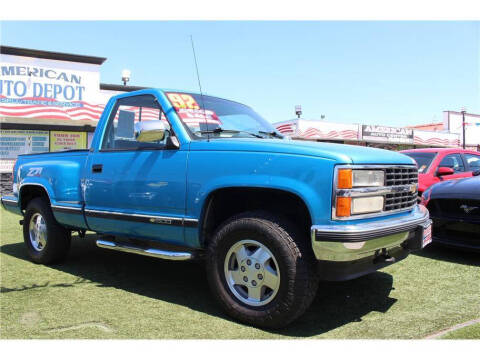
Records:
x=453, y=161
x=120, y=132
x=473, y=161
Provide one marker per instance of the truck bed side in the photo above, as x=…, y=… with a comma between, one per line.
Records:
x=59, y=176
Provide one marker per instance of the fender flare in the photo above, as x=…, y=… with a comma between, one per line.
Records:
x=208, y=199
x=44, y=187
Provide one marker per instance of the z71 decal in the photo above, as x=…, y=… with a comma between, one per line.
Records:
x=34, y=172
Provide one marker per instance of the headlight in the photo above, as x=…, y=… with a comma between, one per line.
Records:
x=367, y=204
x=347, y=206
x=348, y=178
x=366, y=178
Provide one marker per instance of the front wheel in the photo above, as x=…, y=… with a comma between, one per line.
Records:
x=46, y=240
x=261, y=270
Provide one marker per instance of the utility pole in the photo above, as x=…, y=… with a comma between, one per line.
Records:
x=463, y=125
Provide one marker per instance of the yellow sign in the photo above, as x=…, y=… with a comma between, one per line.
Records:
x=67, y=140
x=182, y=100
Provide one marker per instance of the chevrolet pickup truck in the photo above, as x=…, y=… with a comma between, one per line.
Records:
x=180, y=176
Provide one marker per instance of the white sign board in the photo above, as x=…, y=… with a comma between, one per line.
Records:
x=453, y=122
x=51, y=89
x=19, y=142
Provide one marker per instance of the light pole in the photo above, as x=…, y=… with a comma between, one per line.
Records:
x=463, y=125
x=298, y=110
x=126, y=76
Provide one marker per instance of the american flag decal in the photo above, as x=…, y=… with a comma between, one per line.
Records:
x=286, y=128
x=47, y=108
x=435, y=141
x=313, y=132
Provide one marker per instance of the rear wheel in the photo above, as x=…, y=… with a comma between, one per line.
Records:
x=261, y=270
x=46, y=240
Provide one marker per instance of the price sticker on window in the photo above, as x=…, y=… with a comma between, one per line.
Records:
x=182, y=101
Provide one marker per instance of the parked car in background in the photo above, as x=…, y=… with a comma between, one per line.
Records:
x=455, y=210
x=441, y=164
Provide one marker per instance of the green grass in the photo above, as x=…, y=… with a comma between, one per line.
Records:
x=98, y=293
x=470, y=332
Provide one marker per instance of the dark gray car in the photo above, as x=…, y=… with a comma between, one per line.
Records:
x=455, y=210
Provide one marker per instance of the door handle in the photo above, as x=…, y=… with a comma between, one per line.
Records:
x=97, y=168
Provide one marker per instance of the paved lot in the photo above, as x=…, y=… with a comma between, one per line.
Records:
x=102, y=294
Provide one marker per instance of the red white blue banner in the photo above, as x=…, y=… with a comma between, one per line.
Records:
x=49, y=89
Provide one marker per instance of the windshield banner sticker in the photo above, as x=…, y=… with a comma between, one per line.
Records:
x=182, y=101
x=194, y=117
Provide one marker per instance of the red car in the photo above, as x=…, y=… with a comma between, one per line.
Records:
x=440, y=164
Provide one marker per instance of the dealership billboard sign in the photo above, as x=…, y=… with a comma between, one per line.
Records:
x=49, y=89
x=387, y=134
x=35, y=81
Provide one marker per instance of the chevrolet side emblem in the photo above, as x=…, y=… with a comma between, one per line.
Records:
x=160, y=221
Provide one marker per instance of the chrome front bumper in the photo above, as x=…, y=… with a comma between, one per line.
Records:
x=353, y=242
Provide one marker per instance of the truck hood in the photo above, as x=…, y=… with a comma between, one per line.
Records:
x=462, y=188
x=345, y=154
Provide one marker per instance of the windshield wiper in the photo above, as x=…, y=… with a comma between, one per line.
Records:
x=222, y=130
x=272, y=133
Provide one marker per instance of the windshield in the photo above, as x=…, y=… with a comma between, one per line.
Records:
x=423, y=159
x=213, y=117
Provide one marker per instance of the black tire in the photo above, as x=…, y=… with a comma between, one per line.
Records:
x=296, y=262
x=57, y=237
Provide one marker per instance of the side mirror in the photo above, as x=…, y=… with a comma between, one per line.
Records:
x=445, y=171
x=476, y=173
x=150, y=131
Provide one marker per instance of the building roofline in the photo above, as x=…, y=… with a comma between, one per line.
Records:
x=51, y=55
x=466, y=113
x=426, y=124
x=124, y=88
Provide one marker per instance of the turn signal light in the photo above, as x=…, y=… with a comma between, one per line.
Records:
x=344, y=178
x=343, y=206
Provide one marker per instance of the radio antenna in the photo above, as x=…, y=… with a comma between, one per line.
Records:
x=200, y=87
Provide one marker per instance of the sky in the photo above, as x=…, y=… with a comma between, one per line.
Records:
x=383, y=73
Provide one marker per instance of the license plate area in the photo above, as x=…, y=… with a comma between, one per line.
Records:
x=427, y=234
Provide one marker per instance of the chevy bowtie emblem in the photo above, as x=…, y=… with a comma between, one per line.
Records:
x=413, y=188
x=468, y=209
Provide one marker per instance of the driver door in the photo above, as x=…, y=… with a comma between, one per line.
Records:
x=136, y=189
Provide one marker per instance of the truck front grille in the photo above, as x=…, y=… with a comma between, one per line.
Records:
x=400, y=176
x=395, y=176
x=396, y=201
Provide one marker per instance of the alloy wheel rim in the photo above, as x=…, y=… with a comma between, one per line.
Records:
x=38, y=232
x=252, y=272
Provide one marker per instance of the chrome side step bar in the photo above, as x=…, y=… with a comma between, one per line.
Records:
x=150, y=252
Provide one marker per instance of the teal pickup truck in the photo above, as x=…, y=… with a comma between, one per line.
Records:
x=179, y=176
